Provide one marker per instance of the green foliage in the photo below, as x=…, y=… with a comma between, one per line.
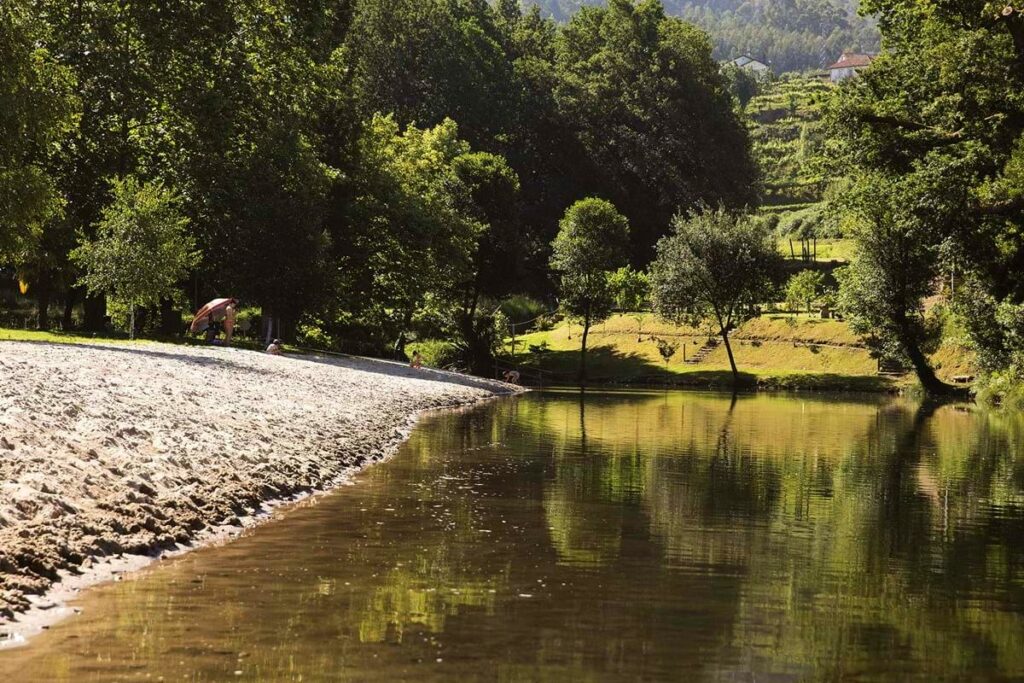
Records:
x=36, y=112
x=742, y=83
x=666, y=349
x=789, y=139
x=591, y=242
x=436, y=353
x=803, y=288
x=631, y=289
x=637, y=84
x=141, y=250
x=931, y=130
x=521, y=308
x=410, y=233
x=716, y=264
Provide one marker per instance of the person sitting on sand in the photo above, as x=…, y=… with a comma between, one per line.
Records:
x=275, y=348
x=417, y=360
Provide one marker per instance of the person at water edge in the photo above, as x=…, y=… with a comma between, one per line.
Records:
x=417, y=360
x=511, y=376
x=229, y=321
x=275, y=348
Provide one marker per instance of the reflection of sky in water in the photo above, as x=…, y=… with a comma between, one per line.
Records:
x=636, y=535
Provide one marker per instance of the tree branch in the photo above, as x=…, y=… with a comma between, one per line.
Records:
x=1003, y=209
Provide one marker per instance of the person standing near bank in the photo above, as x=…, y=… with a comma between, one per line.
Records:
x=229, y=321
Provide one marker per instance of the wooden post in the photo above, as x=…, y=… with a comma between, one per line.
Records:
x=792, y=251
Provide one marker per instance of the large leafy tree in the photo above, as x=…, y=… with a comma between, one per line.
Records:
x=108, y=46
x=256, y=128
x=938, y=121
x=653, y=114
x=408, y=236
x=716, y=264
x=591, y=244
x=37, y=109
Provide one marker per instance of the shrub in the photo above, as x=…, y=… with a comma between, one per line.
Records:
x=436, y=353
x=520, y=308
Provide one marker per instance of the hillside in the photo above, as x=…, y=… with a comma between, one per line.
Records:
x=773, y=351
x=791, y=35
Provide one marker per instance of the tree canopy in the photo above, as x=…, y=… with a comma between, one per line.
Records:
x=590, y=245
x=716, y=264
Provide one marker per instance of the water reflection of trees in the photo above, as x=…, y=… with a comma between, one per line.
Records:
x=854, y=536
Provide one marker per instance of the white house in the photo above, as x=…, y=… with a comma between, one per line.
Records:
x=848, y=65
x=750, y=64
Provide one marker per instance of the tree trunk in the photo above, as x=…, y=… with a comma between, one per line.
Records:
x=43, y=302
x=170, y=320
x=923, y=369
x=70, y=297
x=131, y=322
x=583, y=349
x=732, y=361
x=95, y=314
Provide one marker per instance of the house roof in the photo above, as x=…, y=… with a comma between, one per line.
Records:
x=744, y=60
x=852, y=60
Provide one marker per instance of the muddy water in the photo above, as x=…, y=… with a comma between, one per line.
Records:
x=629, y=536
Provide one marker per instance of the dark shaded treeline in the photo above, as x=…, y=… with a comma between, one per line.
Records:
x=350, y=166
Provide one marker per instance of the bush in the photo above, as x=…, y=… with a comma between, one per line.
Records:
x=521, y=308
x=436, y=353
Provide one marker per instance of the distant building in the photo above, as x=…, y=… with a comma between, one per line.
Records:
x=848, y=65
x=750, y=64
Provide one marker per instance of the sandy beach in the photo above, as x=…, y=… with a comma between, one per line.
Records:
x=109, y=451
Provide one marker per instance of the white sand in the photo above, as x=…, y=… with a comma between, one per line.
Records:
x=107, y=450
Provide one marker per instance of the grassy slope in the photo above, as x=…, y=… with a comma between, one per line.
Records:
x=773, y=352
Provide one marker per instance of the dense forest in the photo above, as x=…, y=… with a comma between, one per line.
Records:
x=353, y=171
x=790, y=35
x=366, y=173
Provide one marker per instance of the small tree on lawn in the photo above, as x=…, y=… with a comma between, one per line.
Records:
x=715, y=264
x=592, y=242
x=632, y=293
x=804, y=288
x=141, y=250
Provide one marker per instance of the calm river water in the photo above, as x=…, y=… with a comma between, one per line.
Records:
x=629, y=536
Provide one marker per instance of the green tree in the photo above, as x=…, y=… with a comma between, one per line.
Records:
x=592, y=241
x=936, y=124
x=803, y=288
x=493, y=189
x=882, y=292
x=37, y=111
x=652, y=111
x=632, y=294
x=141, y=251
x=410, y=229
x=717, y=264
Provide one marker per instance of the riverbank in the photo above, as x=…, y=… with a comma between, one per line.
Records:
x=131, y=450
x=773, y=352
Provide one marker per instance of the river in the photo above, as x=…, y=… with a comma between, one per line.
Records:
x=625, y=536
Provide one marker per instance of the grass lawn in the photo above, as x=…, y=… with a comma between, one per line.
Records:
x=828, y=249
x=14, y=334
x=773, y=351
x=11, y=334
